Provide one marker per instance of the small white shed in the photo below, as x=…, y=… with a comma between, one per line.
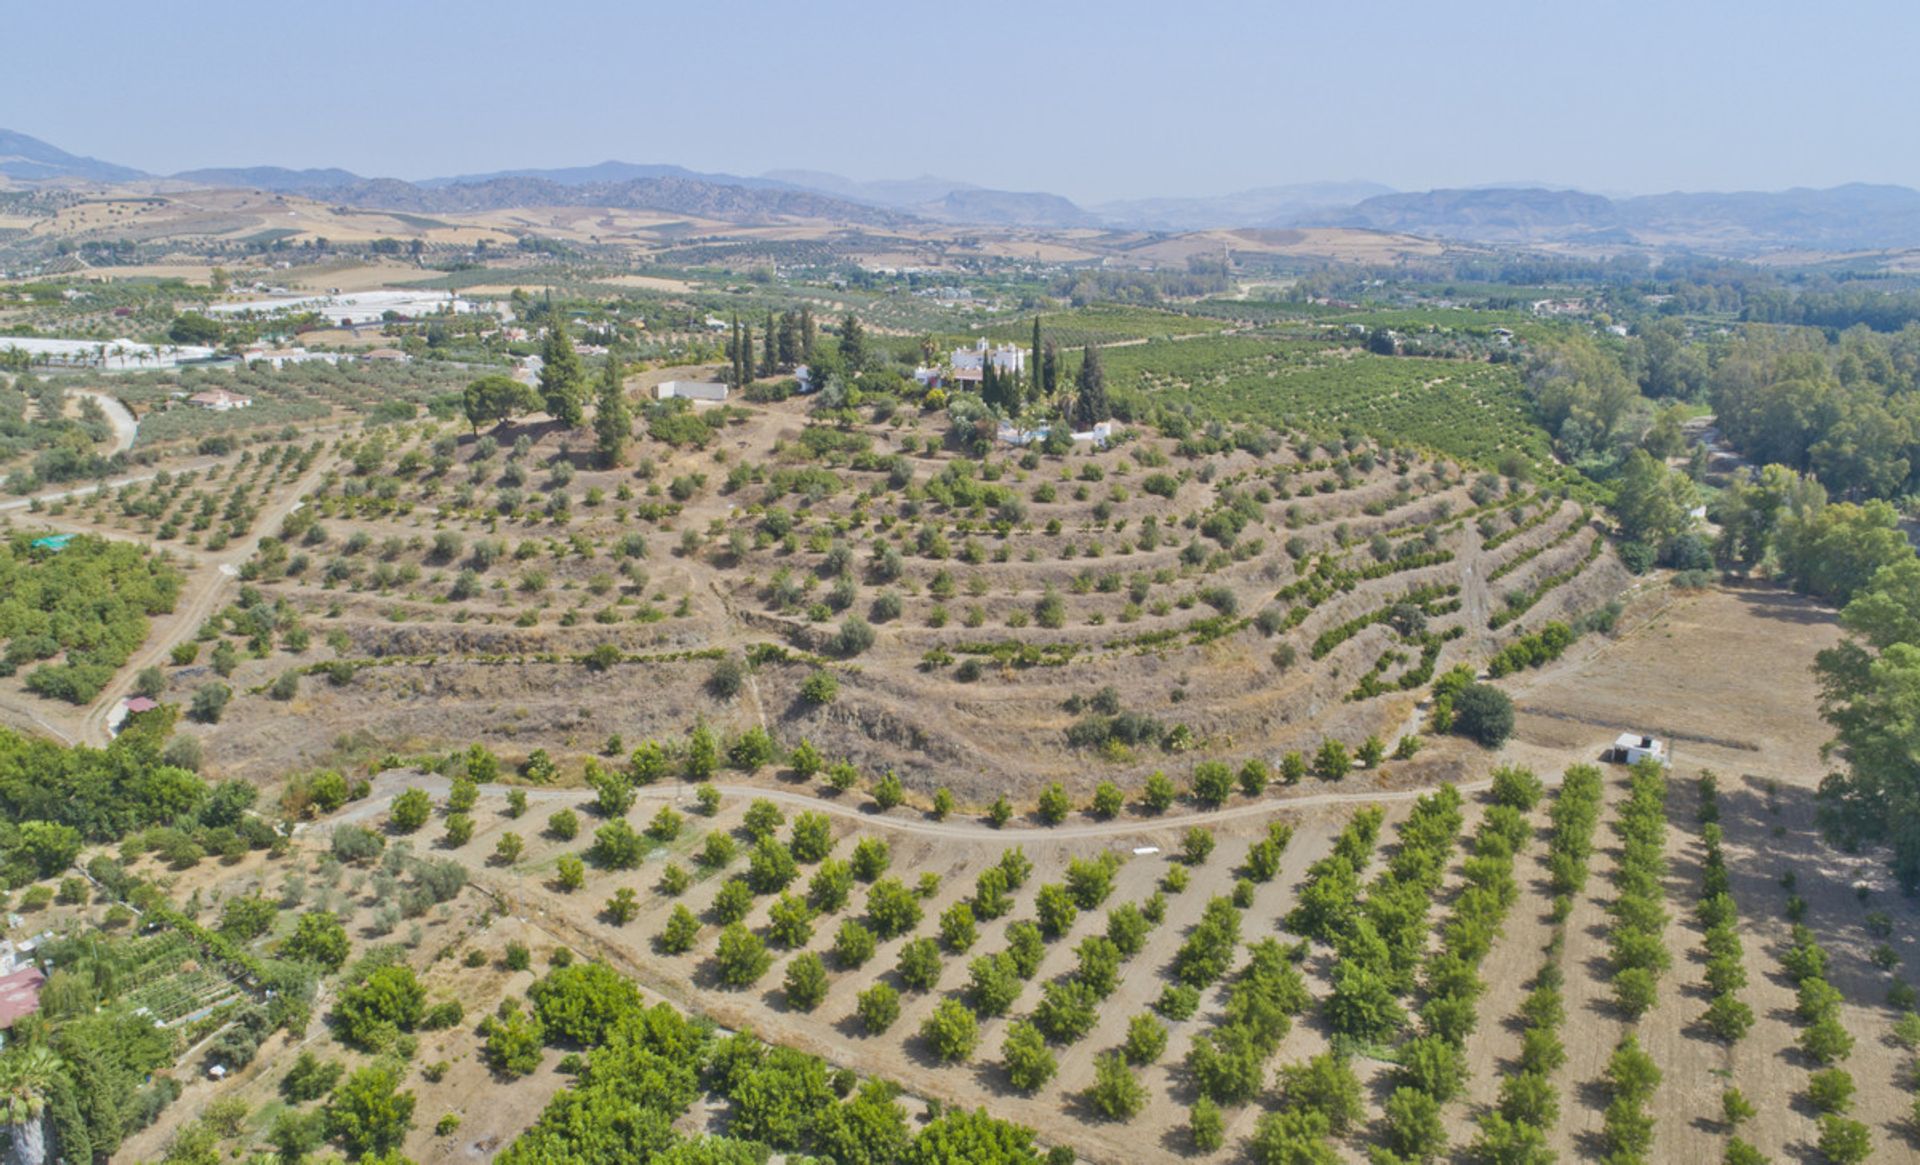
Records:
x=692, y=390
x=1631, y=748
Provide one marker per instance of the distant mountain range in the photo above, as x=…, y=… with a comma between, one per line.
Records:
x=1855, y=217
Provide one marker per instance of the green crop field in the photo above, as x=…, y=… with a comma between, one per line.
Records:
x=1476, y=412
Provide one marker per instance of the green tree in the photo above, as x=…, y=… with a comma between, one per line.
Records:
x=1146, y=1039
x=1326, y=1085
x=1054, y=804
x=1332, y=762
x=806, y=982
x=950, y=1031
x=853, y=343
x=1652, y=502
x=1090, y=404
x=623, y=907
x=1116, y=1093
x=677, y=937
x=495, y=400
x=29, y=1077
x=878, y=1006
x=919, y=965
x=514, y=1039
x=741, y=957
x=1483, y=713
x=562, y=379
x=1205, y=1125
x=368, y=1113
x=409, y=811
x=1028, y=1061
x=318, y=938
x=1414, y=1128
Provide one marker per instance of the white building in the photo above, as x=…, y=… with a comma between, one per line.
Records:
x=219, y=400
x=969, y=364
x=1631, y=748
x=711, y=390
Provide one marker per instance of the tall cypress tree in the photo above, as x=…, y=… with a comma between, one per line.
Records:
x=1050, y=370
x=769, y=358
x=1090, y=405
x=1034, y=358
x=789, y=339
x=853, y=343
x=746, y=354
x=562, y=380
x=806, y=335
x=734, y=353
x=612, y=418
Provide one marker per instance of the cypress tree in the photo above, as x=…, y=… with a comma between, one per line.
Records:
x=734, y=355
x=612, y=418
x=806, y=335
x=853, y=343
x=562, y=386
x=789, y=339
x=746, y=353
x=1090, y=405
x=768, y=356
x=1050, y=369
x=1034, y=358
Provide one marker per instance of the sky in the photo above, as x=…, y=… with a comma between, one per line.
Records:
x=1122, y=99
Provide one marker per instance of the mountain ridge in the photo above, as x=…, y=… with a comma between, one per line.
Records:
x=1849, y=217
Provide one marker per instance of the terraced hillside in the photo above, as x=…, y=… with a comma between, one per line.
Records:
x=989, y=625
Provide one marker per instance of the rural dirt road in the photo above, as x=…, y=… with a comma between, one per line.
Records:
x=125, y=428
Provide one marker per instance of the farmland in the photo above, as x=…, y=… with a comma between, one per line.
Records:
x=1226, y=790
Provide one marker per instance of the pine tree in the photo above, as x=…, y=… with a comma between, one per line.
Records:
x=562, y=380
x=1090, y=405
x=612, y=418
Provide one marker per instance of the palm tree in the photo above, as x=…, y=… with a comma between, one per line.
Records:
x=25, y=1079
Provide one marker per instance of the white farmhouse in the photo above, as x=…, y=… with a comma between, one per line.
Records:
x=969, y=364
x=219, y=400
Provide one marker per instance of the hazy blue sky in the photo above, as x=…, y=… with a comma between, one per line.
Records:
x=1094, y=101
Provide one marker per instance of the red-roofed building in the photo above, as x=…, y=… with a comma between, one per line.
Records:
x=20, y=995
x=141, y=704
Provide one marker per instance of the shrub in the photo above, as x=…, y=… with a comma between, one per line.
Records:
x=209, y=702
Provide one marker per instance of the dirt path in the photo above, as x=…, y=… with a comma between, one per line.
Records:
x=125, y=428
